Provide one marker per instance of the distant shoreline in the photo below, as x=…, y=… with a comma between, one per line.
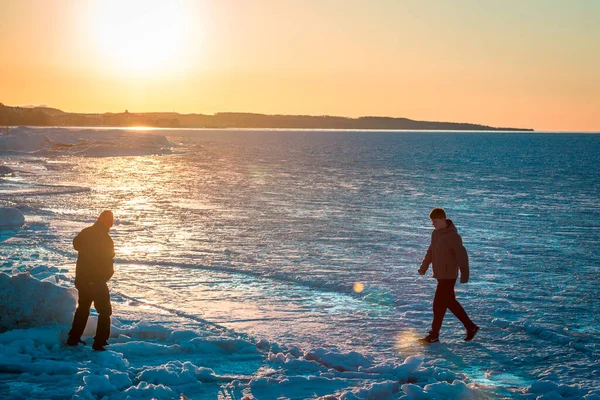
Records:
x=191, y=128
x=153, y=128
x=46, y=116
x=200, y=128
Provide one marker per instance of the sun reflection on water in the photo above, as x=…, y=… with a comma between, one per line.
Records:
x=137, y=249
x=406, y=340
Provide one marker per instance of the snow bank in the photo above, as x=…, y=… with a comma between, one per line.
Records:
x=439, y=390
x=83, y=142
x=335, y=369
x=11, y=217
x=99, y=384
x=400, y=372
x=161, y=368
x=378, y=390
x=146, y=390
x=177, y=373
x=27, y=302
x=552, y=390
x=339, y=361
x=149, y=360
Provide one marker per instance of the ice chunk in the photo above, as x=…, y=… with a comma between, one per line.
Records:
x=120, y=380
x=176, y=373
x=441, y=390
x=146, y=390
x=27, y=302
x=378, y=390
x=542, y=387
x=411, y=365
x=98, y=384
x=112, y=360
x=179, y=336
x=550, y=396
x=11, y=217
x=141, y=348
x=85, y=142
x=339, y=361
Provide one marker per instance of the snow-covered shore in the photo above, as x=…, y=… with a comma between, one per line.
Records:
x=237, y=256
x=149, y=359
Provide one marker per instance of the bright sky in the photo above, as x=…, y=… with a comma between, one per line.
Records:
x=511, y=63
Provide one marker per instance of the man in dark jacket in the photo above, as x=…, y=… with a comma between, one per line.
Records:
x=94, y=269
x=448, y=256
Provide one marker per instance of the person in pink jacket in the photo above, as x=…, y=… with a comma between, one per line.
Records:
x=448, y=256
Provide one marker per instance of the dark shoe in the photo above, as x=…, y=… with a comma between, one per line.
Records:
x=74, y=342
x=98, y=347
x=471, y=333
x=430, y=339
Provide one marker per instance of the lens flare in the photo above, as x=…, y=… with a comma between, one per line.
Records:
x=358, y=287
x=406, y=340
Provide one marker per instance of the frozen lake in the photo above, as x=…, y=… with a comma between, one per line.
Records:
x=267, y=233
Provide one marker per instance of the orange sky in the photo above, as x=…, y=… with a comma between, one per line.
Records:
x=509, y=63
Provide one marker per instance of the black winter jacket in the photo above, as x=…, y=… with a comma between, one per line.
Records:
x=96, y=252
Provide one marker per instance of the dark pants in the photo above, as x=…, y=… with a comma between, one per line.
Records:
x=446, y=299
x=88, y=293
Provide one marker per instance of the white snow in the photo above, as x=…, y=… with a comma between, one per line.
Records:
x=98, y=384
x=176, y=373
x=237, y=258
x=82, y=142
x=27, y=302
x=159, y=365
x=439, y=390
x=146, y=390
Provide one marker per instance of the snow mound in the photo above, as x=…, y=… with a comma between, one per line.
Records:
x=552, y=390
x=26, y=302
x=176, y=373
x=439, y=390
x=84, y=142
x=378, y=390
x=99, y=384
x=11, y=217
x=149, y=391
x=339, y=361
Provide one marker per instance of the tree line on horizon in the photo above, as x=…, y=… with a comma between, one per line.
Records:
x=46, y=116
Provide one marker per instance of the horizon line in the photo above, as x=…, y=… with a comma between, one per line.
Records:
x=30, y=106
x=152, y=128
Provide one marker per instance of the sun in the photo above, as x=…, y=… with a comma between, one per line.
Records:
x=141, y=37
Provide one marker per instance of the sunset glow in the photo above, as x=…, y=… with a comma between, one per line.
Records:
x=507, y=64
x=141, y=37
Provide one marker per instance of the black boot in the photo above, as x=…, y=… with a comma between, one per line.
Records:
x=74, y=342
x=471, y=333
x=431, y=338
x=99, y=346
